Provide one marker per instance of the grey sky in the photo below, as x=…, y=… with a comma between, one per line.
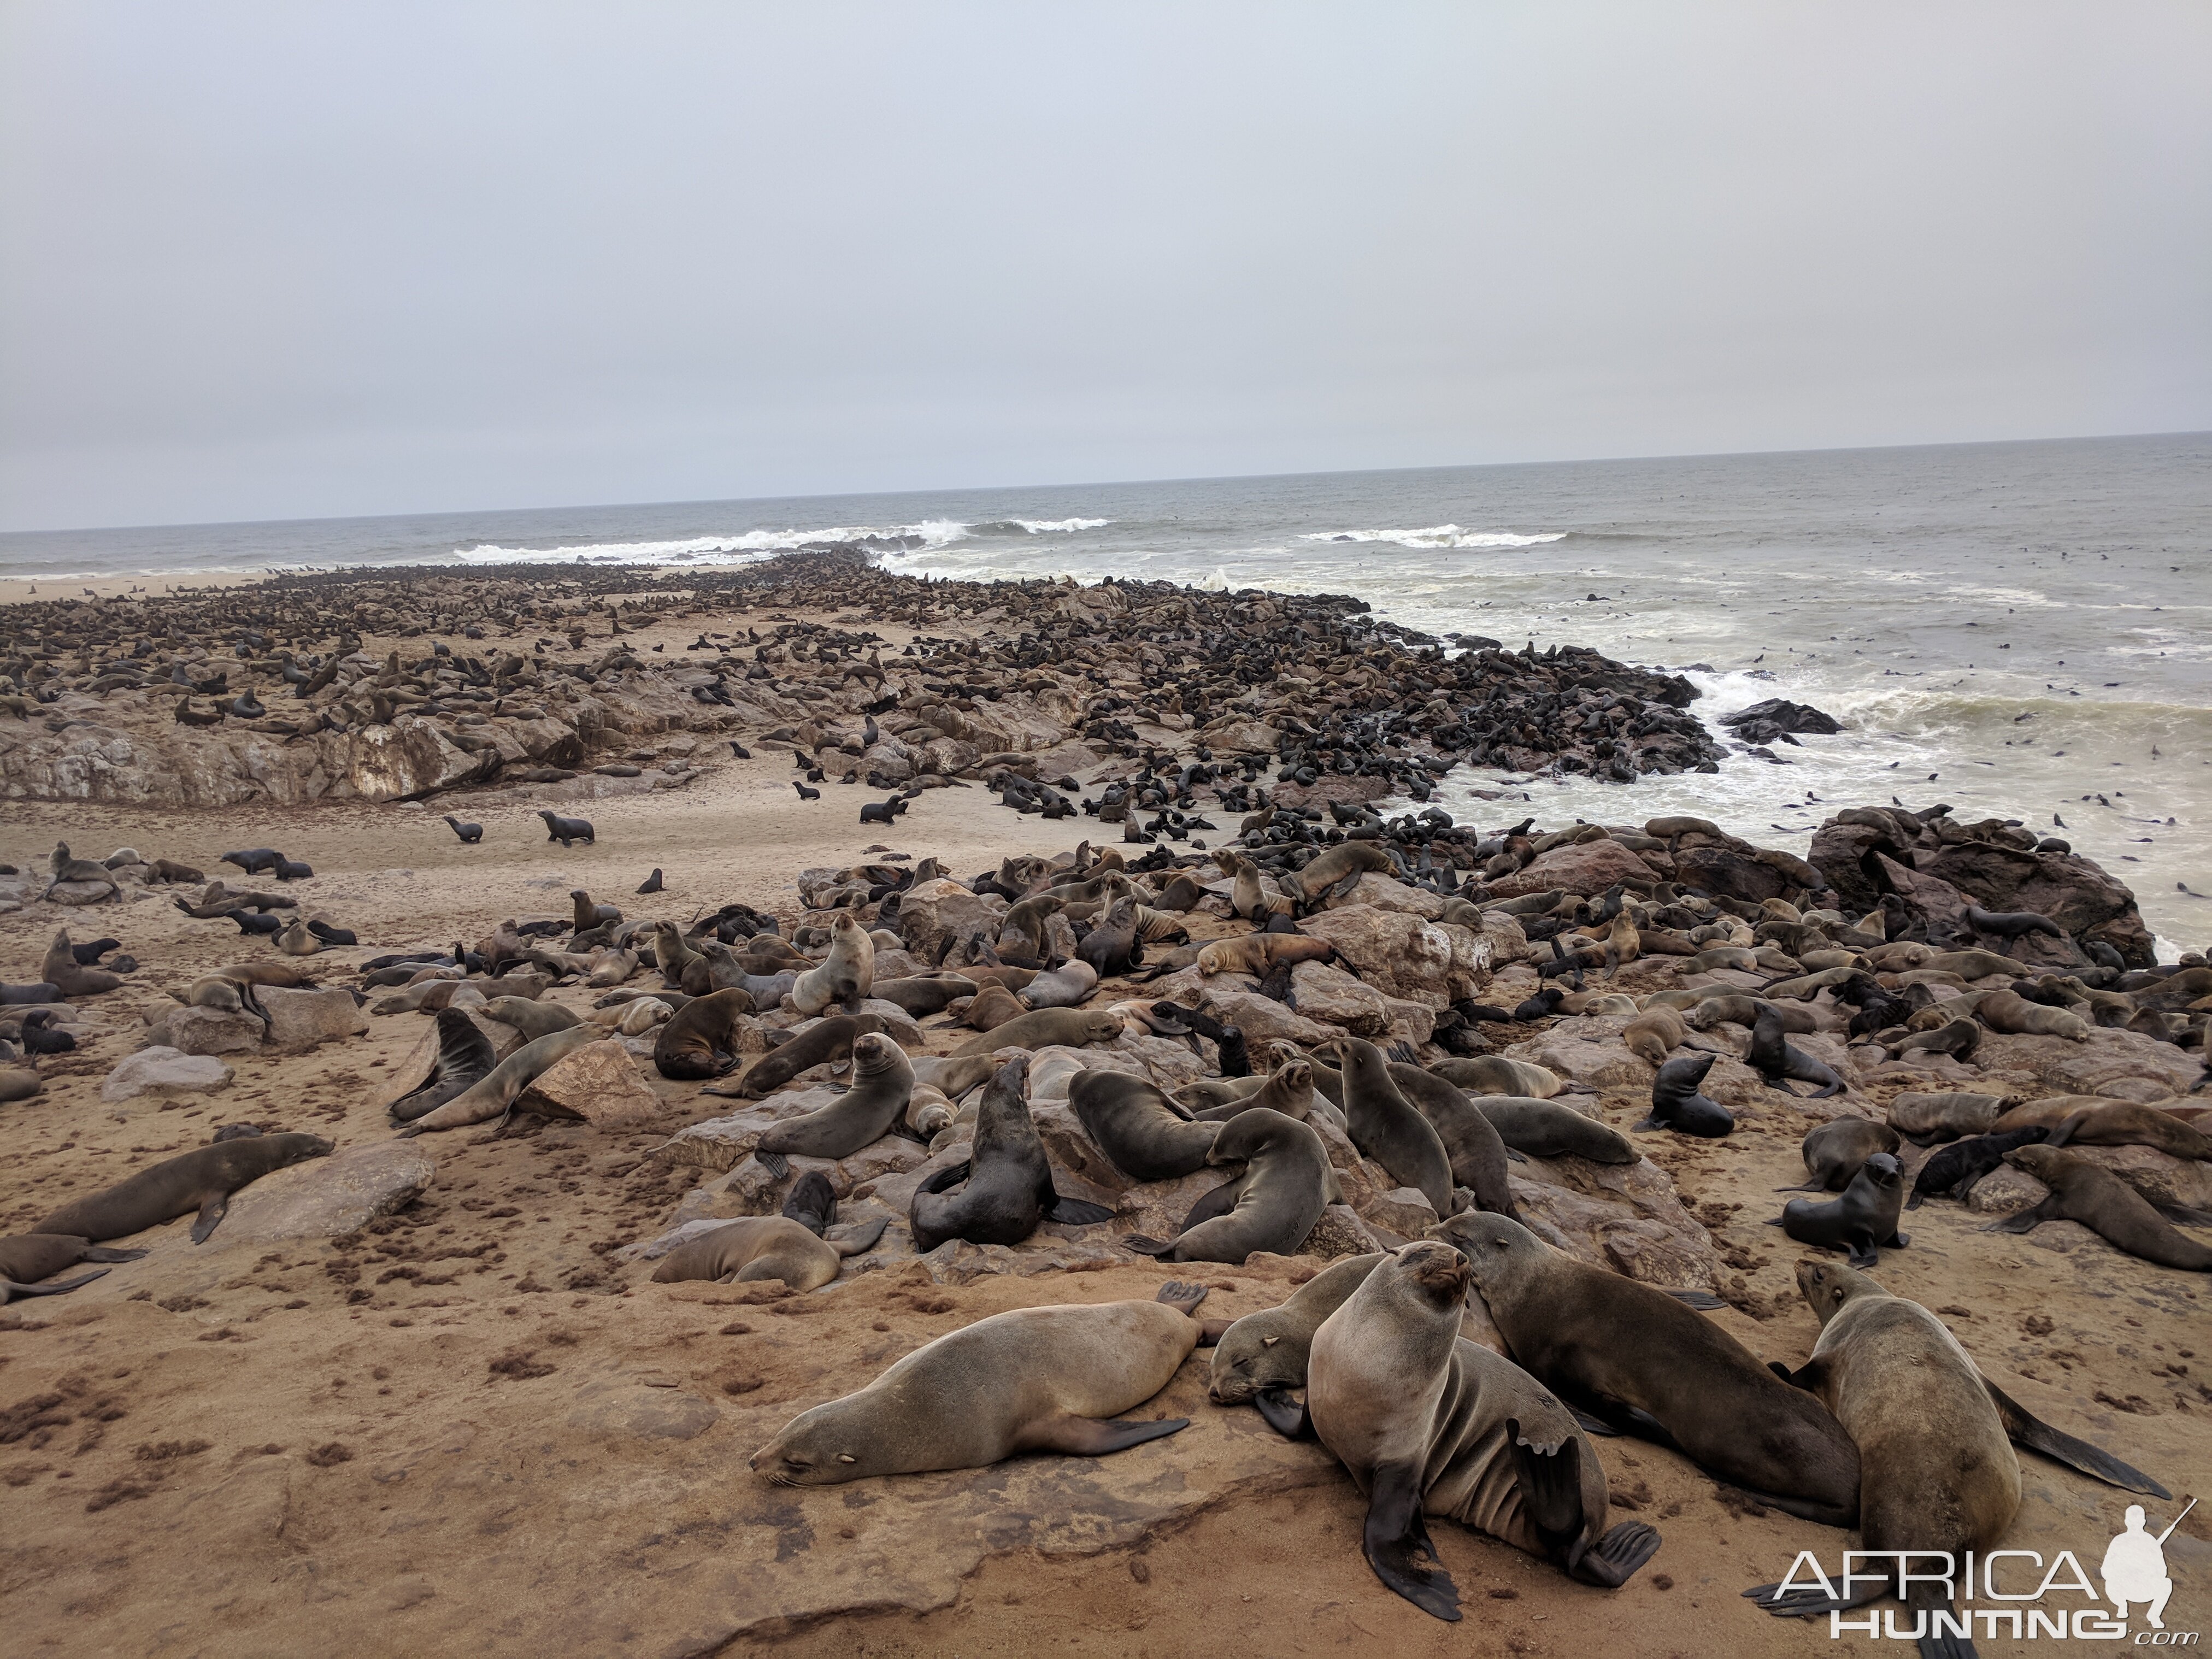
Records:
x=298, y=259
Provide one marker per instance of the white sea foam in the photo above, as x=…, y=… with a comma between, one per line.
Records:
x=1048, y=527
x=741, y=548
x=1441, y=535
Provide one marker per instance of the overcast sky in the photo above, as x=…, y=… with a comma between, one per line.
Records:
x=298, y=259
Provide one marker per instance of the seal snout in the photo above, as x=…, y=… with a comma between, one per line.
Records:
x=1439, y=1270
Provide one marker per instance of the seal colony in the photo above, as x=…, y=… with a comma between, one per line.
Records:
x=1290, y=1018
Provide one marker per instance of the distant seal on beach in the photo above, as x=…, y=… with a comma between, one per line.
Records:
x=767, y=1247
x=700, y=1039
x=1430, y=1424
x=1630, y=1353
x=1387, y=1127
x=1047, y=1027
x=883, y=1083
x=1833, y=1152
x=2093, y=1120
x=1272, y=1206
x=29, y=1257
x=1544, y=1128
x=566, y=831
x=845, y=975
x=2106, y=1205
x=1005, y=1188
x=1957, y=1169
x=1925, y=1118
x=1262, y=1357
x=464, y=1059
x=1677, y=1104
x=1863, y=1221
x=1140, y=1130
x=1052, y=1379
x=201, y=1180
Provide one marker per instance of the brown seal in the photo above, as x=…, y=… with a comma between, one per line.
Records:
x=1337, y=872
x=2106, y=1205
x=1142, y=1132
x=1925, y=1118
x=1289, y=1088
x=1046, y=1028
x=1833, y=1152
x=921, y=995
x=847, y=974
x=29, y=1257
x=201, y=1180
x=767, y=1247
x=496, y=1094
x=883, y=1083
x=1256, y=953
x=61, y=969
x=1544, y=1128
x=1005, y=1188
x=1471, y=1140
x=824, y=1042
x=1272, y=1206
x=2095, y=1120
x=1262, y=1357
x=2009, y=1011
x=1631, y=1353
x=464, y=1057
x=1387, y=1127
x=992, y=1007
x=1653, y=1033
x=700, y=1039
x=1033, y=1380
x=1430, y=1424
x=1495, y=1074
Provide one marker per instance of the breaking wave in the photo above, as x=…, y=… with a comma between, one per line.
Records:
x=1442, y=535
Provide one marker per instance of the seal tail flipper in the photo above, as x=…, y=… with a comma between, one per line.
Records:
x=1808, y=1602
x=211, y=1217
x=1182, y=1295
x=2024, y=1428
x=775, y=1162
x=1614, y=1559
x=1211, y=1331
x=1704, y=1301
x=1286, y=1416
x=862, y=1239
x=1144, y=1245
x=1074, y=1212
x=1949, y=1647
x=98, y=1253
x=9, y=1288
x=1395, y=1536
x=1092, y=1437
x=1823, y=1094
x=2182, y=1213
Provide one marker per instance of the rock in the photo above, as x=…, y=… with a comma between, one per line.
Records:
x=2084, y=900
x=1928, y=899
x=1624, y=1216
x=1403, y=1210
x=1729, y=873
x=597, y=1083
x=2120, y=1065
x=82, y=892
x=1586, y=868
x=2158, y=1177
x=160, y=1071
x=1379, y=890
x=1263, y=1019
x=936, y=912
x=299, y=1020
x=2007, y=1191
x=1339, y=1232
x=1844, y=856
x=327, y=1197
x=720, y=1143
x=1401, y=955
x=206, y=1031
x=1778, y=717
x=624, y=1410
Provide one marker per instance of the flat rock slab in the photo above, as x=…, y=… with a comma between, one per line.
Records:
x=326, y=1197
x=161, y=1071
x=299, y=1020
x=597, y=1083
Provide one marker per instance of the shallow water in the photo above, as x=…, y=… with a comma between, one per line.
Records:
x=2021, y=629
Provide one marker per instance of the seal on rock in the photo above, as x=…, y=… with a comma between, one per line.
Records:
x=1004, y=1189
x=1676, y=1103
x=2011, y=1012
x=700, y=1039
x=2106, y=1205
x=1635, y=1355
x=1861, y=1221
x=1544, y=1128
x=2093, y=1120
x=1387, y=1127
x=883, y=1083
x=1471, y=1141
x=496, y=1094
x=846, y=974
x=1286, y=1184
x=1833, y=1152
x=1957, y=1169
x=1496, y=1074
x=824, y=1042
x=199, y=1181
x=1430, y=1424
x=1258, y=953
x=1925, y=1118
x=464, y=1059
x=1070, y=1028
x=1031, y=1380
x=1142, y=1132
x=767, y=1247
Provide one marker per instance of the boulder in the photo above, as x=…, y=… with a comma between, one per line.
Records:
x=82, y=892
x=1385, y=894
x=1335, y=998
x=2007, y=1191
x=1399, y=954
x=1586, y=868
x=2119, y=1065
x=1729, y=873
x=160, y=1071
x=327, y=1197
x=1339, y=1232
x=206, y=1031
x=720, y=1143
x=936, y=912
x=1928, y=899
x=1845, y=855
x=1404, y=1210
x=1623, y=1216
x=1262, y=1020
x=597, y=1083
x=2083, y=899
x=2158, y=1177
x=299, y=1020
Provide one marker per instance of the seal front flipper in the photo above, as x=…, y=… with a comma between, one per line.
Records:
x=1218, y=1201
x=777, y=1164
x=2024, y=1428
x=1614, y=1559
x=2064, y=1131
x=1395, y=1536
x=2026, y=1221
x=1092, y=1437
x=1286, y=1416
x=1074, y=1212
x=1864, y=1255
x=211, y=1216
x=1808, y=1602
x=1703, y=1301
x=945, y=1180
x=1551, y=1481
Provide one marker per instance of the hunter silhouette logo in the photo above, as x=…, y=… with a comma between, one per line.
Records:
x=2134, y=1568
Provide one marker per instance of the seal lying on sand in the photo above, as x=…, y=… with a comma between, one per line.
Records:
x=767, y=1247
x=1861, y=1221
x=29, y=1257
x=2102, y=1202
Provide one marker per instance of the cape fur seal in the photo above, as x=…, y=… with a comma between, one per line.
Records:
x=923, y=995
x=1005, y=1187
x=700, y=1039
x=1387, y=1127
x=199, y=1181
x=1676, y=1103
x=1271, y=1205
x=1775, y=1058
x=824, y=1042
x=2011, y=1012
x=1142, y=1132
x=1653, y=1033
x=2094, y=1120
x=1833, y=1152
x=883, y=1083
x=1957, y=1169
x=1544, y=1128
x=1861, y=1221
x=566, y=830
x=2108, y=1206
x=1262, y=1357
x=1033, y=1380
x=29, y=1257
x=1925, y=1118
x=1337, y=872
x=496, y=1094
x=62, y=968
x=846, y=974
x=1429, y=1424
x=1634, y=1354
x=1065, y=986
x=531, y=1017
x=1471, y=1142
x=1937, y=1468
x=1070, y=1027
x=1496, y=1074
x=1289, y=1088
x=1258, y=953
x=767, y=1247
x=464, y=1059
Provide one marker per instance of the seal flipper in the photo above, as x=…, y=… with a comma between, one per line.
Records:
x=775, y=1162
x=1614, y=1559
x=9, y=1288
x=1808, y=1602
x=2064, y=1131
x=1592, y=1424
x=861, y=1237
x=2027, y=1220
x=1074, y=1212
x=1395, y=1534
x=1219, y=1201
x=1703, y=1301
x=1551, y=1484
x=211, y=1217
x=2024, y=1428
x=98, y=1253
x=1092, y=1437
x=1863, y=1256
x=945, y=1180
x=2183, y=1214
x=1145, y=1245
x=1286, y=1416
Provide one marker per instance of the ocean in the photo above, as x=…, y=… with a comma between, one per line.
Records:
x=2021, y=629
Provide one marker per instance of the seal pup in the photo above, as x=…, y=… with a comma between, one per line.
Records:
x=1386, y=1126
x=1143, y=1133
x=1864, y=1219
x=767, y=1247
x=29, y=1257
x=1544, y=1128
x=1775, y=1058
x=470, y=834
x=1262, y=1357
x=1633, y=1354
x=1676, y=1103
x=1833, y=1152
x=566, y=830
x=1286, y=1183
x=1655, y=1034
x=652, y=884
x=1430, y=1424
x=1003, y=1188
x=1957, y=1169
x=1959, y=1039
x=811, y=1202
x=1065, y=986
x=2108, y=1206
x=701, y=1039
x=200, y=1180
x=464, y=1059
x=845, y=975
x=1032, y=1380
x=883, y=1083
